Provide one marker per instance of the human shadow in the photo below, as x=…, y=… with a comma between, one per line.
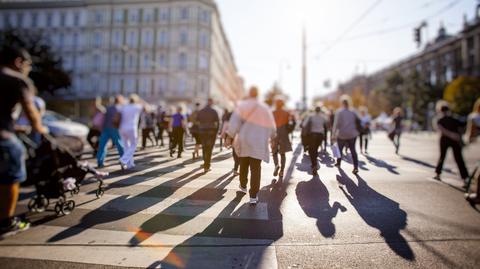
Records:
x=382, y=164
x=305, y=165
x=423, y=163
x=160, y=222
x=379, y=212
x=361, y=164
x=313, y=198
x=326, y=159
x=125, y=206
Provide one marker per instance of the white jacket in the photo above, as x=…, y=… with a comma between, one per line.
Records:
x=252, y=124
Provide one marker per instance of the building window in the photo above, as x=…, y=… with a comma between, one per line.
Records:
x=184, y=13
x=96, y=63
x=203, y=62
x=182, y=61
x=132, y=39
x=131, y=62
x=147, y=38
x=205, y=16
x=49, y=19
x=161, y=85
x=162, y=61
x=20, y=20
x=133, y=16
x=63, y=19
x=148, y=15
x=76, y=19
x=163, y=38
x=203, y=40
x=146, y=62
x=119, y=16
x=98, y=17
x=164, y=14
x=61, y=40
x=182, y=85
x=183, y=37
x=117, y=38
x=97, y=40
x=34, y=21
x=75, y=40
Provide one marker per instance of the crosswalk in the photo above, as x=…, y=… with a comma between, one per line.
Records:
x=165, y=213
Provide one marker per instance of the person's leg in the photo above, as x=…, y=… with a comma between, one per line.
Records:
x=283, y=160
x=361, y=142
x=102, y=148
x=457, y=154
x=211, y=143
x=397, y=143
x=341, y=144
x=144, y=137
x=313, y=151
x=115, y=136
x=151, y=136
x=236, y=161
x=180, y=142
x=443, y=153
x=353, y=151
x=255, y=174
x=244, y=165
x=8, y=202
x=366, y=143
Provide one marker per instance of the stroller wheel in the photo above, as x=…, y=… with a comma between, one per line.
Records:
x=100, y=192
x=32, y=205
x=76, y=190
x=68, y=207
x=38, y=204
x=59, y=208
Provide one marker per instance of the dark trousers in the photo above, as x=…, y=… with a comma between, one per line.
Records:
x=363, y=141
x=350, y=144
x=177, y=139
x=254, y=165
x=161, y=129
x=146, y=135
x=315, y=140
x=276, y=152
x=446, y=143
x=208, y=141
x=236, y=160
x=93, y=138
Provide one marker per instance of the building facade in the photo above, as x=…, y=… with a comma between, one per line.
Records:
x=165, y=50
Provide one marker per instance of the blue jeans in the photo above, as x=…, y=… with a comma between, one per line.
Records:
x=12, y=160
x=107, y=134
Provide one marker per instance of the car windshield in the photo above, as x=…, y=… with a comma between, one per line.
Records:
x=53, y=116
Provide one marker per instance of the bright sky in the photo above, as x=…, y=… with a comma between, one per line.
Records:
x=265, y=36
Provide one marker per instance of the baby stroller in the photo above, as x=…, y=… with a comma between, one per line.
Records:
x=55, y=171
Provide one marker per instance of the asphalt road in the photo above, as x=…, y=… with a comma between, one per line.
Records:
x=168, y=214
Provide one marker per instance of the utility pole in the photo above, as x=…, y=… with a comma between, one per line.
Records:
x=304, y=70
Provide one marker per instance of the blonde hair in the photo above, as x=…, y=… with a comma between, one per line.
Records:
x=134, y=98
x=398, y=111
x=476, y=106
x=440, y=105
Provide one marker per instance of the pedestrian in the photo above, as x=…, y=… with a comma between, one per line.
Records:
x=147, y=124
x=195, y=130
x=110, y=131
x=224, y=122
x=23, y=120
x=226, y=119
x=15, y=65
x=365, y=132
x=162, y=124
x=473, y=123
x=396, y=128
x=345, y=131
x=281, y=143
x=93, y=136
x=130, y=114
x=208, y=125
x=450, y=137
x=252, y=125
x=316, y=126
x=304, y=132
x=177, y=127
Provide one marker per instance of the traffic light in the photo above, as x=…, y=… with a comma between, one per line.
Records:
x=417, y=36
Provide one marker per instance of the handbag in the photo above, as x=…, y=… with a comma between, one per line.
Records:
x=335, y=151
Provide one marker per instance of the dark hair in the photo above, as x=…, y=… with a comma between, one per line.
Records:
x=8, y=54
x=445, y=108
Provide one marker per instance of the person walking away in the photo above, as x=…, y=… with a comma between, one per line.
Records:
x=345, y=131
x=224, y=122
x=15, y=64
x=93, y=136
x=304, y=133
x=147, y=124
x=396, y=131
x=162, y=124
x=316, y=125
x=252, y=125
x=226, y=119
x=281, y=143
x=450, y=137
x=208, y=124
x=110, y=130
x=473, y=131
x=195, y=131
x=365, y=134
x=178, y=126
x=130, y=114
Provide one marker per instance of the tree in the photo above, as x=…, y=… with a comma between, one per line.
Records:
x=418, y=95
x=47, y=72
x=274, y=93
x=462, y=93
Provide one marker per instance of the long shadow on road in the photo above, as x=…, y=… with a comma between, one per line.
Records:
x=379, y=212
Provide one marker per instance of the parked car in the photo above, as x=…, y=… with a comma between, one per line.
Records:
x=68, y=133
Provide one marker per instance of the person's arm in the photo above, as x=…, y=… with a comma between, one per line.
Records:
x=217, y=122
x=334, y=127
x=31, y=112
x=470, y=130
x=449, y=134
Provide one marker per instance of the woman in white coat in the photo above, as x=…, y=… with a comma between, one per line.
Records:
x=252, y=124
x=130, y=114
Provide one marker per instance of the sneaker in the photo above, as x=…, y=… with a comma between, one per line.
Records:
x=437, y=177
x=337, y=164
x=275, y=172
x=314, y=172
x=242, y=189
x=253, y=201
x=206, y=170
x=355, y=171
x=16, y=226
x=280, y=174
x=235, y=172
